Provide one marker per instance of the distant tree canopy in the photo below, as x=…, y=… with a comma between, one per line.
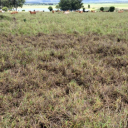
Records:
x=57, y=7
x=89, y=6
x=111, y=9
x=70, y=4
x=102, y=9
x=12, y=3
x=50, y=8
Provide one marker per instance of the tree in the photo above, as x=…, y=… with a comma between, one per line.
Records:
x=70, y=4
x=76, y=4
x=18, y=3
x=5, y=3
x=0, y=5
x=102, y=9
x=5, y=9
x=57, y=7
x=65, y=4
x=83, y=9
x=111, y=9
x=12, y=3
x=89, y=6
x=82, y=6
x=50, y=8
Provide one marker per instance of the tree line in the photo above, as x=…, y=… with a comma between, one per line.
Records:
x=11, y=3
x=63, y=4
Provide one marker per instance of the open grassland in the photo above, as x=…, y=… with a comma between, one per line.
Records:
x=37, y=6
x=64, y=71
x=116, y=5
x=48, y=23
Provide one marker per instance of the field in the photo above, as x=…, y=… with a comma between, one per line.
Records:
x=92, y=5
x=64, y=71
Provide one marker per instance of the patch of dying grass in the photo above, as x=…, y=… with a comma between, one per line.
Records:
x=63, y=80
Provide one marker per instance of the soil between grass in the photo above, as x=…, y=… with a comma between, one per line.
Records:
x=63, y=80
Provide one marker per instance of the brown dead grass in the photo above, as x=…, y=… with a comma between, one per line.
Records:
x=63, y=81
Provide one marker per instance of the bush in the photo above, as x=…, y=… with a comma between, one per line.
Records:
x=23, y=10
x=111, y=9
x=102, y=9
x=50, y=8
x=83, y=9
x=88, y=6
x=57, y=7
x=5, y=9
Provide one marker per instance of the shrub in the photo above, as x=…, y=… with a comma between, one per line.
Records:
x=57, y=7
x=25, y=20
x=83, y=9
x=23, y=10
x=5, y=9
x=111, y=9
x=88, y=6
x=102, y=9
x=50, y=8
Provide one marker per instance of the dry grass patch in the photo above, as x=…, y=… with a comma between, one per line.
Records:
x=62, y=80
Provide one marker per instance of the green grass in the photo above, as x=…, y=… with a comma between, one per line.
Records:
x=101, y=23
x=116, y=5
x=64, y=71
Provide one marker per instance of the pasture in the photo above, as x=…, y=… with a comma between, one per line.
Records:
x=64, y=70
x=116, y=5
x=93, y=5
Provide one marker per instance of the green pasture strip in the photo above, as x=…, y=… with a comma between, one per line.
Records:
x=116, y=5
x=100, y=23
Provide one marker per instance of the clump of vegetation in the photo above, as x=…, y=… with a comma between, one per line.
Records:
x=50, y=8
x=70, y=4
x=83, y=9
x=2, y=17
x=5, y=9
x=111, y=9
x=102, y=9
x=57, y=7
x=89, y=6
x=106, y=9
x=12, y=3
